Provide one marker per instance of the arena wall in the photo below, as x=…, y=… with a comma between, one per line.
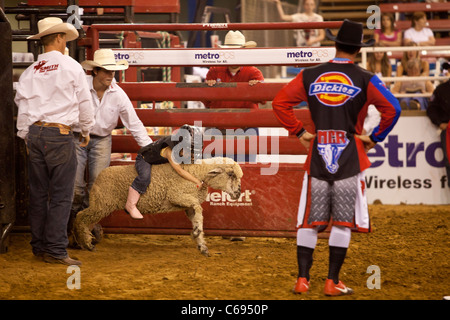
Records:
x=408, y=167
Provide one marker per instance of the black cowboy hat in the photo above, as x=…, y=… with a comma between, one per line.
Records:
x=350, y=33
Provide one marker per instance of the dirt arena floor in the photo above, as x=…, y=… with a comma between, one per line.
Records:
x=409, y=244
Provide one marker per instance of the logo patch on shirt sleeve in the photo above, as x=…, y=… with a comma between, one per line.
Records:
x=333, y=89
x=331, y=144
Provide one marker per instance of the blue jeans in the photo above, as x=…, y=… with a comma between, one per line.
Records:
x=52, y=165
x=144, y=170
x=96, y=156
x=422, y=100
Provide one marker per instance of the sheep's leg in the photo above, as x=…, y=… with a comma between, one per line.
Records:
x=195, y=214
x=82, y=230
x=84, y=223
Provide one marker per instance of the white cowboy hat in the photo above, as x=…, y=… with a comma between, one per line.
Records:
x=52, y=25
x=235, y=39
x=104, y=58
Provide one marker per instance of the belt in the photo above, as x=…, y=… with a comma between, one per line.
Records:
x=53, y=125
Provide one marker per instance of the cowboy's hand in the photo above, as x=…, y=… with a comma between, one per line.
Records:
x=368, y=143
x=210, y=82
x=306, y=139
x=84, y=140
x=253, y=82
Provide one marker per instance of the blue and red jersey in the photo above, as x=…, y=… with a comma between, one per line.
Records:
x=338, y=94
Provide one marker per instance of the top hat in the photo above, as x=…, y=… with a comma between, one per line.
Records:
x=235, y=39
x=53, y=25
x=350, y=33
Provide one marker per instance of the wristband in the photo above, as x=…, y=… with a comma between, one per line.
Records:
x=301, y=133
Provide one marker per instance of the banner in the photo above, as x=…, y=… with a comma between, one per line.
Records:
x=408, y=166
x=210, y=57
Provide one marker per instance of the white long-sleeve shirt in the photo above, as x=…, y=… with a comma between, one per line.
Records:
x=54, y=89
x=114, y=104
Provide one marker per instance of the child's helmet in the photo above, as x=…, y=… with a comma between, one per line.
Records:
x=196, y=140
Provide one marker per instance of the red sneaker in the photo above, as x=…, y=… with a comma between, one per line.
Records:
x=301, y=286
x=332, y=289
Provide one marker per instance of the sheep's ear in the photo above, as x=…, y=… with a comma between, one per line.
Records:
x=215, y=171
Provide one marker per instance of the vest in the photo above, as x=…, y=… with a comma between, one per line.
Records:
x=337, y=93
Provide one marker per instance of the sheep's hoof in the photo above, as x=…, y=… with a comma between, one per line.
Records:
x=91, y=247
x=204, y=251
x=86, y=245
x=73, y=244
x=97, y=232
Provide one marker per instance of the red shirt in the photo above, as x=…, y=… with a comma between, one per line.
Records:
x=244, y=74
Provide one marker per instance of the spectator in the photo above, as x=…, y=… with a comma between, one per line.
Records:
x=378, y=63
x=304, y=37
x=408, y=55
x=388, y=35
x=249, y=74
x=413, y=86
x=252, y=75
x=439, y=113
x=419, y=33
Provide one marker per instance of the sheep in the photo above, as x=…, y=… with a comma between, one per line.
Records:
x=167, y=192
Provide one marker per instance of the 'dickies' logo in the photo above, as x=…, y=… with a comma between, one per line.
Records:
x=333, y=89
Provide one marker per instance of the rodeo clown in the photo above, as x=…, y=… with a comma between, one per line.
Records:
x=338, y=94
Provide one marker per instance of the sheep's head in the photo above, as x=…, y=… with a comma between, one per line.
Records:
x=226, y=178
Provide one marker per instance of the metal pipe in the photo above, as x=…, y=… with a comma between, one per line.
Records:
x=240, y=145
x=216, y=26
x=218, y=118
x=237, y=91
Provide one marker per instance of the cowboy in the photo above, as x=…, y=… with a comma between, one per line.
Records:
x=111, y=103
x=338, y=93
x=52, y=96
x=250, y=74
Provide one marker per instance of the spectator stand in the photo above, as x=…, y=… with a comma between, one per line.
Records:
x=117, y=11
x=355, y=10
x=436, y=25
x=429, y=52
